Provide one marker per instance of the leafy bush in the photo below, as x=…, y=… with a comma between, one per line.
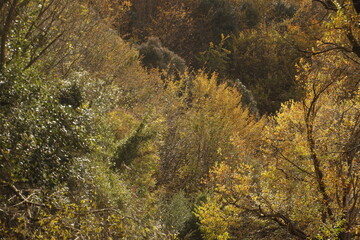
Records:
x=154, y=55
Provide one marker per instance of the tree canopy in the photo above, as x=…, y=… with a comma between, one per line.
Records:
x=187, y=119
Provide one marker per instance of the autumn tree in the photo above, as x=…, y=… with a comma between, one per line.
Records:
x=58, y=139
x=265, y=63
x=202, y=123
x=306, y=183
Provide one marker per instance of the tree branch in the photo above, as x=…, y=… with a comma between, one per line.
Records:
x=33, y=60
x=283, y=221
x=292, y=163
x=327, y=4
x=24, y=199
x=309, y=121
x=5, y=31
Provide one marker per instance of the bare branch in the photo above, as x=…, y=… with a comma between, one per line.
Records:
x=33, y=60
x=24, y=199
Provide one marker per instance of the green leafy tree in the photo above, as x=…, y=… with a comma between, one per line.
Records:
x=57, y=138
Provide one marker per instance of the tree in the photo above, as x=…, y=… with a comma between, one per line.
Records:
x=306, y=183
x=216, y=58
x=174, y=25
x=307, y=180
x=265, y=63
x=205, y=118
x=31, y=28
x=154, y=55
x=57, y=139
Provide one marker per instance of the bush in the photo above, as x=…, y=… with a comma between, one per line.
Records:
x=154, y=55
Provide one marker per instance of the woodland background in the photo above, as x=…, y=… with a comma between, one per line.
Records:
x=182, y=119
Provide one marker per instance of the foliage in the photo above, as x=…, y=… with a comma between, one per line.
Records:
x=174, y=25
x=57, y=141
x=136, y=158
x=264, y=61
x=157, y=56
x=41, y=138
x=103, y=140
x=247, y=98
x=213, y=221
x=201, y=135
x=216, y=58
x=219, y=14
x=283, y=11
x=177, y=211
x=306, y=178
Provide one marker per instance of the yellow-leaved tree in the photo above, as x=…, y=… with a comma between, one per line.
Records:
x=307, y=181
x=302, y=181
x=205, y=117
